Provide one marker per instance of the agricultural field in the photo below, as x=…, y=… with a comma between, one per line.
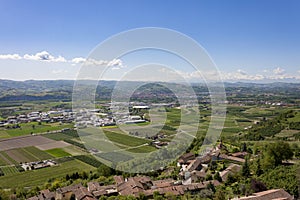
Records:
x=57, y=152
x=125, y=139
x=74, y=151
x=142, y=149
x=33, y=128
x=41, y=176
x=57, y=136
x=8, y=170
x=7, y=159
x=2, y=161
x=27, y=154
x=25, y=141
x=114, y=156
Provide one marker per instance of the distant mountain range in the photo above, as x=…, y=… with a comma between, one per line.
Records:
x=62, y=89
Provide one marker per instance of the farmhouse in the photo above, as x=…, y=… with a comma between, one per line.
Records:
x=38, y=165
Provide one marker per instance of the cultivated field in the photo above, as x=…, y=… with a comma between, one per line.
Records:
x=52, y=145
x=57, y=152
x=27, y=129
x=41, y=176
x=24, y=141
x=27, y=154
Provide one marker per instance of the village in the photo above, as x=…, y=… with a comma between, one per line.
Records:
x=192, y=178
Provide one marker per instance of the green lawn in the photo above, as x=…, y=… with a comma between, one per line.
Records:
x=40, y=176
x=57, y=152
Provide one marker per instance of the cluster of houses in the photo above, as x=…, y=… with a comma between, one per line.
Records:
x=83, y=118
x=192, y=180
x=135, y=186
x=38, y=165
x=193, y=169
x=64, y=116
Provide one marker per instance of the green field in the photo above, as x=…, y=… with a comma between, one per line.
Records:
x=74, y=151
x=27, y=154
x=142, y=149
x=7, y=159
x=114, y=156
x=57, y=136
x=57, y=152
x=8, y=170
x=125, y=139
x=41, y=176
x=37, y=153
x=2, y=161
x=33, y=127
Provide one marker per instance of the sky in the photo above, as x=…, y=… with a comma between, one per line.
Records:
x=254, y=41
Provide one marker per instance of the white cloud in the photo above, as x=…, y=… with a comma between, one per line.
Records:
x=278, y=70
x=242, y=72
x=78, y=60
x=59, y=71
x=112, y=63
x=10, y=57
x=241, y=75
x=44, y=56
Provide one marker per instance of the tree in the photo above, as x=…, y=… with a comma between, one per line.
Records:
x=275, y=153
x=211, y=187
x=246, y=169
x=104, y=170
x=205, y=193
x=257, y=186
x=3, y=195
x=258, y=169
x=218, y=177
x=220, y=195
x=157, y=196
x=142, y=196
x=244, y=147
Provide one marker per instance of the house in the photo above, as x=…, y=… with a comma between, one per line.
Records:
x=162, y=183
x=205, y=159
x=65, y=193
x=98, y=190
x=240, y=154
x=219, y=156
x=134, y=185
x=43, y=195
x=232, y=169
x=194, y=165
x=82, y=193
x=275, y=194
x=197, y=176
x=186, y=157
x=119, y=179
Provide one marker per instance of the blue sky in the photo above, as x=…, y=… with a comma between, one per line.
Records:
x=248, y=40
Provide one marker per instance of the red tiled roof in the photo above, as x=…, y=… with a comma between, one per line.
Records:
x=269, y=195
x=118, y=179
